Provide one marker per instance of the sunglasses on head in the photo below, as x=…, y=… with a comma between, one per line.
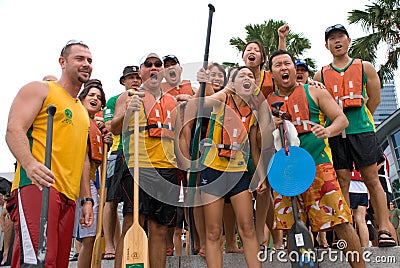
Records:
x=93, y=83
x=170, y=57
x=70, y=43
x=149, y=64
x=334, y=27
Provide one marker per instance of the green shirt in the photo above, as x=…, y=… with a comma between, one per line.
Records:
x=108, y=115
x=394, y=217
x=315, y=146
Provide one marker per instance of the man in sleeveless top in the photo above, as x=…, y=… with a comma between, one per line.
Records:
x=355, y=85
x=159, y=190
x=322, y=204
x=26, y=135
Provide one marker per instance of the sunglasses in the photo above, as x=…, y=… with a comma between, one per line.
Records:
x=70, y=43
x=149, y=64
x=170, y=57
x=335, y=27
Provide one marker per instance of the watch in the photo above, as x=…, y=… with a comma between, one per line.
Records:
x=87, y=199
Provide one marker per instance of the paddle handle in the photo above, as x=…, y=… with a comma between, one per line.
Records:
x=44, y=213
x=136, y=168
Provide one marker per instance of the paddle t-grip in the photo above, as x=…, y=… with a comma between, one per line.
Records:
x=277, y=105
x=132, y=92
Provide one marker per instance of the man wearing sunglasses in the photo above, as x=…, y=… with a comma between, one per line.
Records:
x=355, y=86
x=159, y=190
x=26, y=138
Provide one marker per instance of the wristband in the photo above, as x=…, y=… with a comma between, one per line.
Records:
x=87, y=199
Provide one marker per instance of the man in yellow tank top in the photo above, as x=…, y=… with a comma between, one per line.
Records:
x=159, y=189
x=26, y=135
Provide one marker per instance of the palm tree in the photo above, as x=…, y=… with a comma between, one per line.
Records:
x=382, y=20
x=267, y=34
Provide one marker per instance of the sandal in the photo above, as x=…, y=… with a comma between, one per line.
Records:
x=108, y=256
x=385, y=239
x=202, y=252
x=74, y=257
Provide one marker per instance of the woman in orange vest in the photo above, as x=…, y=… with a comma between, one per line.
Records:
x=93, y=99
x=225, y=155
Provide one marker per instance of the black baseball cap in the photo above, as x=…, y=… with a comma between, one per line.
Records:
x=170, y=57
x=127, y=71
x=336, y=27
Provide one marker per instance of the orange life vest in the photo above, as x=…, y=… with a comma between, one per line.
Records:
x=236, y=124
x=184, y=87
x=96, y=142
x=160, y=114
x=267, y=84
x=296, y=105
x=345, y=87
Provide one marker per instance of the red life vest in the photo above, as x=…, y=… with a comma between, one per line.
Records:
x=236, y=125
x=184, y=87
x=296, y=105
x=160, y=114
x=345, y=87
x=96, y=142
x=355, y=175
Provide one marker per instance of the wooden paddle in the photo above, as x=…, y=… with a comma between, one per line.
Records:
x=300, y=240
x=98, y=242
x=136, y=249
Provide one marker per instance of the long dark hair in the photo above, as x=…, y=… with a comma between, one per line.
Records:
x=93, y=83
x=262, y=50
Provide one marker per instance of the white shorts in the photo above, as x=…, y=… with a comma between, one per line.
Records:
x=79, y=231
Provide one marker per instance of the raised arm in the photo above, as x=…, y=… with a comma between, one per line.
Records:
x=283, y=32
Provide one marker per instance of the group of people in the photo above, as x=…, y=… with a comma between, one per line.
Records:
x=332, y=116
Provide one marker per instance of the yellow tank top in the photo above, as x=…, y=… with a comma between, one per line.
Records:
x=154, y=152
x=210, y=156
x=70, y=135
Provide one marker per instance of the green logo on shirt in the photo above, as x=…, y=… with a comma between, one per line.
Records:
x=68, y=115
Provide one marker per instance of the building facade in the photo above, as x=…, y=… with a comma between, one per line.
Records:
x=388, y=103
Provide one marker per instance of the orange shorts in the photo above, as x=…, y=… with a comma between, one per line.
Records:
x=323, y=204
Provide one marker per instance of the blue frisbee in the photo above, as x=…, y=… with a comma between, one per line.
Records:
x=293, y=174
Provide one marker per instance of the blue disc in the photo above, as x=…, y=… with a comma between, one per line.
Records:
x=293, y=174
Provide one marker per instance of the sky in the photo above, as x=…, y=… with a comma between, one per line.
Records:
x=120, y=32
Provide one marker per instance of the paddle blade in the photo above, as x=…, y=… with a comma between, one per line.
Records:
x=96, y=255
x=301, y=242
x=292, y=174
x=136, y=251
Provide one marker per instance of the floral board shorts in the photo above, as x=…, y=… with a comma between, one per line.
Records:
x=323, y=204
